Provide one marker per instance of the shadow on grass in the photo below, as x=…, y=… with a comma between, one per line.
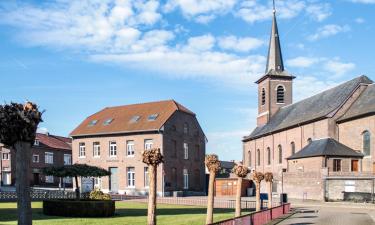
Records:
x=10, y=214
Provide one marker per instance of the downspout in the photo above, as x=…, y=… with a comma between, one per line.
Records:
x=162, y=165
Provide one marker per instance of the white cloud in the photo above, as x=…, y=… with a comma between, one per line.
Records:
x=253, y=10
x=364, y=1
x=200, y=43
x=359, y=20
x=319, y=12
x=302, y=61
x=306, y=86
x=201, y=11
x=327, y=31
x=338, y=68
x=239, y=44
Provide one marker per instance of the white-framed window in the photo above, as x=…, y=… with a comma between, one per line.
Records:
x=336, y=165
x=186, y=179
x=82, y=150
x=6, y=156
x=35, y=158
x=48, y=157
x=131, y=177
x=36, y=142
x=67, y=180
x=49, y=179
x=96, y=149
x=130, y=148
x=186, y=150
x=98, y=182
x=148, y=144
x=112, y=149
x=146, y=177
x=67, y=159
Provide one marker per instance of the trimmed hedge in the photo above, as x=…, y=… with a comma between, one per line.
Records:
x=81, y=208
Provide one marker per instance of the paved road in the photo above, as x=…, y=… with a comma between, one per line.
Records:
x=325, y=215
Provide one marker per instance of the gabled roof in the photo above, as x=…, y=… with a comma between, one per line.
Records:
x=53, y=141
x=364, y=105
x=122, y=118
x=326, y=147
x=313, y=108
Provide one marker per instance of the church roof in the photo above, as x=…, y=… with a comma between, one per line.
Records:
x=310, y=109
x=326, y=147
x=364, y=105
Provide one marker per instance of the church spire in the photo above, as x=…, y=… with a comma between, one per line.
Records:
x=275, y=58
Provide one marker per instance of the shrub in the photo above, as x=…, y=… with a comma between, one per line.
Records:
x=97, y=194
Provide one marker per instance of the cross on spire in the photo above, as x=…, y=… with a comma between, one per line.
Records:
x=275, y=58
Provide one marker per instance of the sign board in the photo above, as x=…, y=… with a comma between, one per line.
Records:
x=87, y=184
x=349, y=186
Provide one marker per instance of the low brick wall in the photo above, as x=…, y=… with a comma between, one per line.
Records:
x=258, y=218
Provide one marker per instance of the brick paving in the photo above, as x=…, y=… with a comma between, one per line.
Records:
x=326, y=215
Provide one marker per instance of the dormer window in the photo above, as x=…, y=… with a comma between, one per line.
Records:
x=153, y=117
x=36, y=142
x=134, y=119
x=93, y=123
x=280, y=94
x=107, y=122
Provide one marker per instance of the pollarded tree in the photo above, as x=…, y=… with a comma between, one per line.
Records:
x=213, y=165
x=241, y=171
x=18, y=125
x=152, y=158
x=257, y=178
x=76, y=170
x=268, y=177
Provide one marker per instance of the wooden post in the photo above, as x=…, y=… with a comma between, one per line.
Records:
x=151, y=215
x=210, y=203
x=238, y=197
x=23, y=157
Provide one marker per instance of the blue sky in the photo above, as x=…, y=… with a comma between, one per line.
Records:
x=75, y=57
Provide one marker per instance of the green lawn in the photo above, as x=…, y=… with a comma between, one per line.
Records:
x=131, y=213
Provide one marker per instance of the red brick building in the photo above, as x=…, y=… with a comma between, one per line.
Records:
x=114, y=138
x=308, y=143
x=48, y=150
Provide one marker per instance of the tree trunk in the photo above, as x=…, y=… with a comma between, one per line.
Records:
x=257, y=196
x=238, y=197
x=23, y=157
x=77, y=188
x=269, y=195
x=151, y=215
x=210, y=202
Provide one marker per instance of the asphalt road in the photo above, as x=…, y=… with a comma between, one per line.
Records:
x=325, y=215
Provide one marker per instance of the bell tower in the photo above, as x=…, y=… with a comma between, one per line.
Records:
x=275, y=86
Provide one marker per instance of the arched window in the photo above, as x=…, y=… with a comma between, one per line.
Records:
x=280, y=94
x=174, y=177
x=366, y=143
x=309, y=140
x=263, y=96
x=258, y=157
x=249, y=157
x=293, y=147
x=268, y=156
x=280, y=154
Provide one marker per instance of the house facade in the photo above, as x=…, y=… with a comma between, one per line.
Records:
x=48, y=150
x=290, y=137
x=115, y=137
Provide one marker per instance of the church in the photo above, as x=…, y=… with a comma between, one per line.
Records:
x=319, y=148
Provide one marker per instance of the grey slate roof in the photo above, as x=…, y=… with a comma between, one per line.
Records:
x=364, y=105
x=326, y=147
x=275, y=58
x=227, y=164
x=313, y=108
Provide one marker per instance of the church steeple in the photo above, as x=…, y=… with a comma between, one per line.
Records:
x=275, y=86
x=275, y=57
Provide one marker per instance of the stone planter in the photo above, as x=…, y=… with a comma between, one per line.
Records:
x=81, y=208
